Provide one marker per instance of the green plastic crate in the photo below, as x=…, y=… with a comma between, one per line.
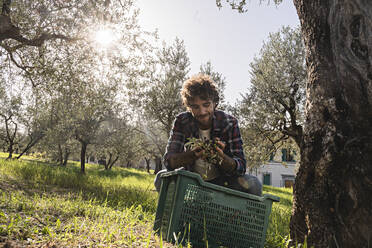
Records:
x=190, y=209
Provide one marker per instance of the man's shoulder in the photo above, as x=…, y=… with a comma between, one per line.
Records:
x=222, y=116
x=184, y=117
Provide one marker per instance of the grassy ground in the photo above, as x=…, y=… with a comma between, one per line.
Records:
x=42, y=205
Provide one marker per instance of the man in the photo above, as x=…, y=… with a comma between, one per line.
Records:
x=202, y=120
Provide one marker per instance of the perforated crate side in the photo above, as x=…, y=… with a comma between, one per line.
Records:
x=226, y=220
x=224, y=216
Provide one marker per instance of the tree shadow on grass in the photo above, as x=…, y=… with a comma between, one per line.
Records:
x=40, y=178
x=74, y=168
x=279, y=190
x=122, y=173
x=286, y=198
x=119, y=198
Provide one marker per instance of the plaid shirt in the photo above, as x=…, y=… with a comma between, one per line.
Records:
x=224, y=127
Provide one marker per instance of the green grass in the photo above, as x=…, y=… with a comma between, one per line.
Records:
x=120, y=188
x=70, y=220
x=37, y=157
x=44, y=205
x=278, y=231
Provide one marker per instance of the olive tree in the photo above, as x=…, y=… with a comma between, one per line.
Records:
x=331, y=206
x=219, y=79
x=157, y=97
x=272, y=112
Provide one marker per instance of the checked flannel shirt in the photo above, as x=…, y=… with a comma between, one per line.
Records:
x=224, y=127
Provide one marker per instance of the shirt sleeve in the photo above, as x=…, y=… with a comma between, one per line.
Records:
x=176, y=141
x=236, y=149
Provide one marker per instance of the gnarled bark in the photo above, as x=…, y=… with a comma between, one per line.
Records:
x=334, y=183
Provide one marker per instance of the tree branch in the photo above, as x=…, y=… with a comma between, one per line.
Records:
x=155, y=142
x=10, y=31
x=31, y=143
x=6, y=9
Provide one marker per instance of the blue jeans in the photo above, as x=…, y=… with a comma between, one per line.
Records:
x=246, y=183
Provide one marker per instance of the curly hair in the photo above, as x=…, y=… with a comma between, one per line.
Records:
x=202, y=86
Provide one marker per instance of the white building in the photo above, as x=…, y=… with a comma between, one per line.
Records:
x=280, y=171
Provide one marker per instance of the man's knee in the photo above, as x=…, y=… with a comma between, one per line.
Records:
x=250, y=184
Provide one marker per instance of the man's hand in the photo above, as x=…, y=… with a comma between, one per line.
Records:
x=206, y=150
x=227, y=163
x=182, y=159
x=199, y=152
x=220, y=147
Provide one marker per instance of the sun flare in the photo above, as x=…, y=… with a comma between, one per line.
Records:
x=104, y=37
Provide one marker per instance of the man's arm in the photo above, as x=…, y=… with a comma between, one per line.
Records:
x=183, y=159
x=177, y=160
x=228, y=164
x=175, y=156
x=235, y=165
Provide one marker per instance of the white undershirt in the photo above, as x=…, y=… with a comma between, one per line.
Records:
x=206, y=170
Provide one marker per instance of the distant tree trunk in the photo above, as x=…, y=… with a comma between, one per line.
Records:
x=147, y=164
x=30, y=144
x=60, y=155
x=10, y=136
x=65, y=157
x=107, y=164
x=10, y=151
x=158, y=164
x=331, y=205
x=111, y=161
x=82, y=156
x=129, y=164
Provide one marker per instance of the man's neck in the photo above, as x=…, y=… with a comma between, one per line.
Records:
x=206, y=127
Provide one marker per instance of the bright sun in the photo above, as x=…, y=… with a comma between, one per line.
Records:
x=104, y=37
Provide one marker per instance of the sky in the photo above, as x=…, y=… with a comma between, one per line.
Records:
x=228, y=39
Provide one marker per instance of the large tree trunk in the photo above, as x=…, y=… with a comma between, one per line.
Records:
x=332, y=206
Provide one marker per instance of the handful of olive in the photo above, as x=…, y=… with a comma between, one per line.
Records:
x=209, y=147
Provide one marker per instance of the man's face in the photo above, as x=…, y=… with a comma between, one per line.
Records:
x=202, y=110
